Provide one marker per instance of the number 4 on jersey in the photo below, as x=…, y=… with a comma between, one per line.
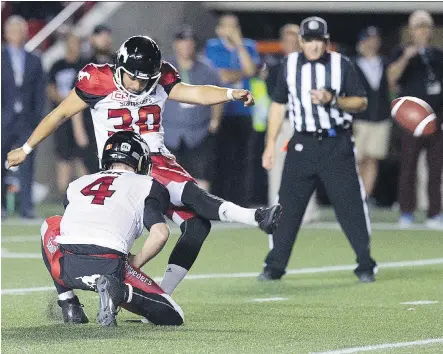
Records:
x=102, y=191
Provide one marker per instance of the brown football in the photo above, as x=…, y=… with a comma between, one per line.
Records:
x=415, y=115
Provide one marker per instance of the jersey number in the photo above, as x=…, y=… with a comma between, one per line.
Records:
x=102, y=191
x=148, y=119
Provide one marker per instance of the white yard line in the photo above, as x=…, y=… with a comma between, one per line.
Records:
x=327, y=269
x=383, y=346
x=267, y=299
x=7, y=254
x=420, y=302
x=218, y=225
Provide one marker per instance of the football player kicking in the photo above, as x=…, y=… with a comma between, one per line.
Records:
x=130, y=95
x=89, y=247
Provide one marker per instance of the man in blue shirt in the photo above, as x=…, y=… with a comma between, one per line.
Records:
x=236, y=59
x=189, y=128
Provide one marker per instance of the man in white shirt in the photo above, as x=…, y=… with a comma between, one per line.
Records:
x=372, y=127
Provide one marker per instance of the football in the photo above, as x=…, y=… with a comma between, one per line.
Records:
x=415, y=115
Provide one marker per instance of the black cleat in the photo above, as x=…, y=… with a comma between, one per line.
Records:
x=268, y=218
x=72, y=311
x=267, y=276
x=366, y=274
x=366, y=277
x=111, y=294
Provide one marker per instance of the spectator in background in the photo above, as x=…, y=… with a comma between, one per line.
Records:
x=288, y=43
x=236, y=59
x=189, y=128
x=371, y=127
x=23, y=100
x=71, y=137
x=417, y=70
x=101, y=45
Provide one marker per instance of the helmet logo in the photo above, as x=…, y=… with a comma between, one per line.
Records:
x=83, y=74
x=124, y=52
x=313, y=25
x=125, y=147
x=109, y=146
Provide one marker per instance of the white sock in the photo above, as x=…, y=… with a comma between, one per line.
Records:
x=66, y=295
x=231, y=212
x=174, y=274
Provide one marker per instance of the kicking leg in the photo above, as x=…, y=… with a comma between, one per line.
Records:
x=72, y=310
x=212, y=207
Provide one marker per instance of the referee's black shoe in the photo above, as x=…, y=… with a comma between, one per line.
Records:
x=366, y=276
x=270, y=274
x=268, y=218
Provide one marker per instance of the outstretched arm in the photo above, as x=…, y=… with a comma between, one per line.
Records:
x=71, y=105
x=209, y=95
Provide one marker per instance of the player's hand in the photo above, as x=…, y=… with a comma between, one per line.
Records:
x=268, y=157
x=15, y=158
x=245, y=96
x=321, y=97
x=410, y=52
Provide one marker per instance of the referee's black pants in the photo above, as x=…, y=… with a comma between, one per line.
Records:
x=332, y=161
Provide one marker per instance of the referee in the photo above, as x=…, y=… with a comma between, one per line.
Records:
x=322, y=90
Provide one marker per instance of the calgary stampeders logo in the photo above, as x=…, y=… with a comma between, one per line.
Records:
x=119, y=96
x=50, y=245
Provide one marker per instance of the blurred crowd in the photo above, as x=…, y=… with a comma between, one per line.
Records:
x=221, y=146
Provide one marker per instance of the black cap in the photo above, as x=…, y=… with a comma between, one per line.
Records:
x=101, y=28
x=370, y=31
x=314, y=27
x=186, y=33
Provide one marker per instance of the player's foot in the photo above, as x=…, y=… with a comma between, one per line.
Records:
x=435, y=223
x=72, y=311
x=268, y=218
x=267, y=276
x=366, y=276
x=406, y=221
x=111, y=294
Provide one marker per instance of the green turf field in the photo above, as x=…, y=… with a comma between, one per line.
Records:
x=314, y=310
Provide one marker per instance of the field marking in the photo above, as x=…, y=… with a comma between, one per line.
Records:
x=420, y=302
x=7, y=254
x=14, y=239
x=218, y=225
x=327, y=269
x=267, y=299
x=383, y=346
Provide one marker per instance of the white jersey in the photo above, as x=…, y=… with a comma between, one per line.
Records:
x=113, y=110
x=105, y=209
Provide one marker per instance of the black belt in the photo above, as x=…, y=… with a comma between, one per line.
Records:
x=327, y=133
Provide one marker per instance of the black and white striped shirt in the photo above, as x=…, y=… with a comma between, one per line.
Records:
x=298, y=76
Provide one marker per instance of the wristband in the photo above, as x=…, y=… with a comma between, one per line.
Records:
x=27, y=149
x=229, y=94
